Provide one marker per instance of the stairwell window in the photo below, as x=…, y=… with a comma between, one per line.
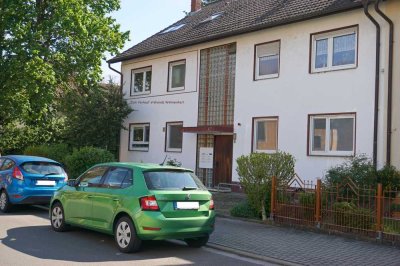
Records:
x=266, y=63
x=332, y=135
x=174, y=137
x=265, y=134
x=141, y=81
x=176, y=75
x=334, y=50
x=139, y=137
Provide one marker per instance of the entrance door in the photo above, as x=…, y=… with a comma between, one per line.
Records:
x=223, y=152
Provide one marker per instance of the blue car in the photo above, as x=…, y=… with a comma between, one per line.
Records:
x=28, y=180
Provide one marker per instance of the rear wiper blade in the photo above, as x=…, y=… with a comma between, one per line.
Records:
x=189, y=188
x=50, y=174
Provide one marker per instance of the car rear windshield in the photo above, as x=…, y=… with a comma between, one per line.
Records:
x=42, y=168
x=172, y=180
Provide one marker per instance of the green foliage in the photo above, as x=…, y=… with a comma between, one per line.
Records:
x=47, y=46
x=244, y=210
x=349, y=215
x=255, y=174
x=57, y=152
x=173, y=162
x=359, y=168
x=84, y=158
x=95, y=118
x=307, y=199
x=389, y=177
x=395, y=207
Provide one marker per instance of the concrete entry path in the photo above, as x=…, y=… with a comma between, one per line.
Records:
x=291, y=246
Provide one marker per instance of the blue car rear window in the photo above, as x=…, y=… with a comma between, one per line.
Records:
x=42, y=168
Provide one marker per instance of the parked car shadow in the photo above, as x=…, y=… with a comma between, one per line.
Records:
x=36, y=210
x=80, y=245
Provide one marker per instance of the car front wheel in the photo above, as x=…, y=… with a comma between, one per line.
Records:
x=57, y=218
x=125, y=236
x=197, y=242
x=5, y=204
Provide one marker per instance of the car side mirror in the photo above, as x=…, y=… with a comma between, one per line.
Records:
x=71, y=183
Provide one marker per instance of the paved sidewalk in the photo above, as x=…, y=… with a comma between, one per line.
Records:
x=301, y=247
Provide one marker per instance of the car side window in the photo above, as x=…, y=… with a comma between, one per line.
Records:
x=92, y=178
x=7, y=165
x=118, y=178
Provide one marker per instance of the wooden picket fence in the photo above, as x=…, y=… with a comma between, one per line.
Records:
x=346, y=208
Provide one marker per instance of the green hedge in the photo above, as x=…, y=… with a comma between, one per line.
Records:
x=349, y=215
x=84, y=158
x=244, y=210
x=57, y=152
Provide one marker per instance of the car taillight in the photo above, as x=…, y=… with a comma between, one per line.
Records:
x=17, y=174
x=211, y=204
x=149, y=203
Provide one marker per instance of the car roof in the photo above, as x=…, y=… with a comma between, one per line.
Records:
x=145, y=166
x=27, y=158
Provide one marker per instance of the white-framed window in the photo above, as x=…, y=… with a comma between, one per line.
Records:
x=332, y=135
x=139, y=137
x=334, y=50
x=176, y=75
x=265, y=134
x=141, y=81
x=174, y=137
x=267, y=60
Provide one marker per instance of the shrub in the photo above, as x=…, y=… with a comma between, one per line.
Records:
x=173, y=162
x=395, y=207
x=359, y=168
x=389, y=176
x=255, y=174
x=84, y=158
x=56, y=152
x=307, y=201
x=349, y=215
x=244, y=210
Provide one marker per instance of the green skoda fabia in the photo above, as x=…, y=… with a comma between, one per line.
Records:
x=136, y=202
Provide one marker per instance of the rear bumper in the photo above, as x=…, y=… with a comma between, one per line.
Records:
x=154, y=226
x=34, y=200
x=26, y=195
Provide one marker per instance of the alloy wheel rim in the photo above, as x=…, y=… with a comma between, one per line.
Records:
x=57, y=217
x=3, y=200
x=123, y=234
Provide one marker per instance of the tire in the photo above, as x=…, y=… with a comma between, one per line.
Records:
x=57, y=218
x=125, y=236
x=197, y=242
x=5, y=204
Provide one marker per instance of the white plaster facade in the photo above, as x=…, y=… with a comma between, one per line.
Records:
x=292, y=96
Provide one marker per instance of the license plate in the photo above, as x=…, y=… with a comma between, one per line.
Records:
x=186, y=205
x=45, y=183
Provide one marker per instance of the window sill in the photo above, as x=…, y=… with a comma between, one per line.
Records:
x=140, y=94
x=273, y=76
x=325, y=70
x=176, y=89
x=331, y=155
x=174, y=150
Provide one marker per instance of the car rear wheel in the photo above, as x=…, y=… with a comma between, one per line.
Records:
x=197, y=242
x=57, y=218
x=125, y=236
x=5, y=204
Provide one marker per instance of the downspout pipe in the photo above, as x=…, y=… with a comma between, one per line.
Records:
x=390, y=82
x=366, y=4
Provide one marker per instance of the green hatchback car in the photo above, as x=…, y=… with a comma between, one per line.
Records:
x=136, y=202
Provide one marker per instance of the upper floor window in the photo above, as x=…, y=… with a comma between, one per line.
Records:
x=176, y=76
x=174, y=137
x=334, y=50
x=265, y=134
x=139, y=137
x=141, y=81
x=332, y=134
x=266, y=63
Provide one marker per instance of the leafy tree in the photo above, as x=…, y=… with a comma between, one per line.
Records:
x=94, y=118
x=45, y=46
x=255, y=174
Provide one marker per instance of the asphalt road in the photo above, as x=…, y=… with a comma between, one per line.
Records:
x=26, y=238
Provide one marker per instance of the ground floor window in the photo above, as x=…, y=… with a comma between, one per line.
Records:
x=174, y=137
x=139, y=137
x=332, y=134
x=265, y=134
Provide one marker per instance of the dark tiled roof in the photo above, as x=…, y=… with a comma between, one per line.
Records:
x=239, y=16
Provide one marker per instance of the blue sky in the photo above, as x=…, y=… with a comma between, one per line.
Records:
x=144, y=18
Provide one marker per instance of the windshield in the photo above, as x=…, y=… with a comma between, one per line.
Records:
x=172, y=180
x=42, y=168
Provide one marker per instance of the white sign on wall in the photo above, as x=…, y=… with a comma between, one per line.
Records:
x=206, y=158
